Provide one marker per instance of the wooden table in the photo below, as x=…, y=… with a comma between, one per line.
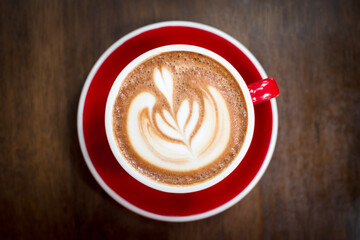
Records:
x=311, y=189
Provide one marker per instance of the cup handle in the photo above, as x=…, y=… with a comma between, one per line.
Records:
x=263, y=90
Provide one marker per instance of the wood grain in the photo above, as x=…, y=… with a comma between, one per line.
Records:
x=311, y=189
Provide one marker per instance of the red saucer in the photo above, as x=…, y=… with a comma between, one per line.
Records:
x=128, y=191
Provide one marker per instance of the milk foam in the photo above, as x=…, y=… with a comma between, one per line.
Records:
x=185, y=140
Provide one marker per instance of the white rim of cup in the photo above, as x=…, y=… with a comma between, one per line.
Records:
x=129, y=205
x=142, y=178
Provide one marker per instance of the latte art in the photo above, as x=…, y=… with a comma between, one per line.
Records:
x=179, y=140
x=179, y=118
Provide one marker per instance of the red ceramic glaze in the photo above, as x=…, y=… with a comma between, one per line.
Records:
x=123, y=185
x=263, y=90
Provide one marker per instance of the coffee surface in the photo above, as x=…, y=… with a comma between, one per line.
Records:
x=180, y=118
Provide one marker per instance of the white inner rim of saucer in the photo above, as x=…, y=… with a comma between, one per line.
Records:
x=127, y=204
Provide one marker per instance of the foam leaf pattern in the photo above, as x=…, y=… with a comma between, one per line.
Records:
x=195, y=113
x=169, y=119
x=183, y=114
x=195, y=134
x=164, y=83
x=166, y=129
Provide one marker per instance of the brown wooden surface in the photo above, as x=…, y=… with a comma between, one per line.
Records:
x=311, y=189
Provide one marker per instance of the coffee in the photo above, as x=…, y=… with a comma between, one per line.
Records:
x=180, y=118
